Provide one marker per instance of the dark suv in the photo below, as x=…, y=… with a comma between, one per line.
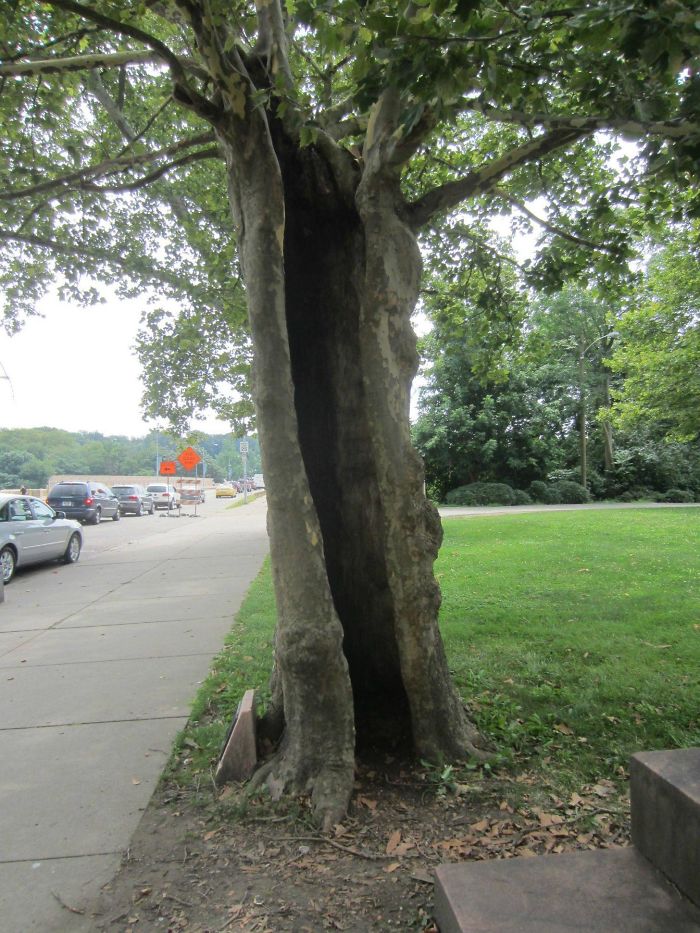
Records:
x=85, y=501
x=134, y=500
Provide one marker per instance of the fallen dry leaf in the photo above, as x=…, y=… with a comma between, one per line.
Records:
x=547, y=819
x=563, y=729
x=394, y=840
x=404, y=847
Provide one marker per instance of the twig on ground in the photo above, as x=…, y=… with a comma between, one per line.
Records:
x=336, y=845
x=73, y=910
x=178, y=900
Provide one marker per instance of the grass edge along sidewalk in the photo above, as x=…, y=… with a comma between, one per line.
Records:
x=574, y=637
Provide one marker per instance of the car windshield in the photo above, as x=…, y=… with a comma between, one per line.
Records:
x=157, y=488
x=68, y=489
x=123, y=490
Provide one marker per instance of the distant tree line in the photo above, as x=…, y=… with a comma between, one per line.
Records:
x=592, y=394
x=29, y=456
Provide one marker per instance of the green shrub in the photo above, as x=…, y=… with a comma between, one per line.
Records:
x=639, y=492
x=570, y=492
x=552, y=496
x=538, y=490
x=481, y=494
x=521, y=497
x=676, y=495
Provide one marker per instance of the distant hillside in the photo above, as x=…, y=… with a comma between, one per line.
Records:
x=28, y=456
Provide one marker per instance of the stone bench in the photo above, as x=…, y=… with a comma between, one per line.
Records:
x=652, y=887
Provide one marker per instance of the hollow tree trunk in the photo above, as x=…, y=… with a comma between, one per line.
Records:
x=332, y=275
x=316, y=753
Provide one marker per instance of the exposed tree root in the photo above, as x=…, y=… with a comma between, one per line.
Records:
x=329, y=784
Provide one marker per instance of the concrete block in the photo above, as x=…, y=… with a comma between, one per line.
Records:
x=601, y=891
x=240, y=755
x=665, y=798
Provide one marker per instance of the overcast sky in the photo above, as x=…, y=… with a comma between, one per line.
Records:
x=75, y=369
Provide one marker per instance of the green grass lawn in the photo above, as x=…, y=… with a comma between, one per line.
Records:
x=574, y=636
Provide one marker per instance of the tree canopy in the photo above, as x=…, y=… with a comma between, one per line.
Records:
x=337, y=133
x=658, y=355
x=109, y=164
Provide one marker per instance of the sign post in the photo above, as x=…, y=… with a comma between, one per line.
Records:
x=189, y=458
x=243, y=448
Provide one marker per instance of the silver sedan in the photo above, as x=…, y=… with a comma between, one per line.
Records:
x=31, y=532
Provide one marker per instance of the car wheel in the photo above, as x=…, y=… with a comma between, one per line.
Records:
x=73, y=550
x=139, y=510
x=96, y=517
x=117, y=515
x=153, y=508
x=8, y=562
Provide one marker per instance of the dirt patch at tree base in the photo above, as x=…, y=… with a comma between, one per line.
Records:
x=227, y=864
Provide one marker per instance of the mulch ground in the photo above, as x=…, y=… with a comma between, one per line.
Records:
x=215, y=861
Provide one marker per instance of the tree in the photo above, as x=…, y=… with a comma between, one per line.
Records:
x=478, y=428
x=320, y=122
x=19, y=468
x=659, y=350
x=571, y=337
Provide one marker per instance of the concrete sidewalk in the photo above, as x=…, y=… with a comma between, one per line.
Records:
x=99, y=664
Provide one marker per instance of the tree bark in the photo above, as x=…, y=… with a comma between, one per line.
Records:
x=332, y=275
x=316, y=751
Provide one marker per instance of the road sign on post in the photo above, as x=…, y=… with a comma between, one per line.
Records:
x=168, y=468
x=189, y=458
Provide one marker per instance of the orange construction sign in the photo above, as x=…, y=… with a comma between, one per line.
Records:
x=168, y=468
x=189, y=458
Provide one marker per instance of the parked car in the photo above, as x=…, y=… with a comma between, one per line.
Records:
x=164, y=496
x=32, y=532
x=225, y=491
x=84, y=501
x=134, y=500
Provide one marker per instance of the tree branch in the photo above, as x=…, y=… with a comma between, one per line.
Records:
x=557, y=231
x=487, y=177
x=671, y=129
x=272, y=40
x=104, y=169
x=78, y=63
x=78, y=250
x=185, y=94
x=212, y=153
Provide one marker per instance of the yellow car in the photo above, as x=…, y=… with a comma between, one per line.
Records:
x=226, y=491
